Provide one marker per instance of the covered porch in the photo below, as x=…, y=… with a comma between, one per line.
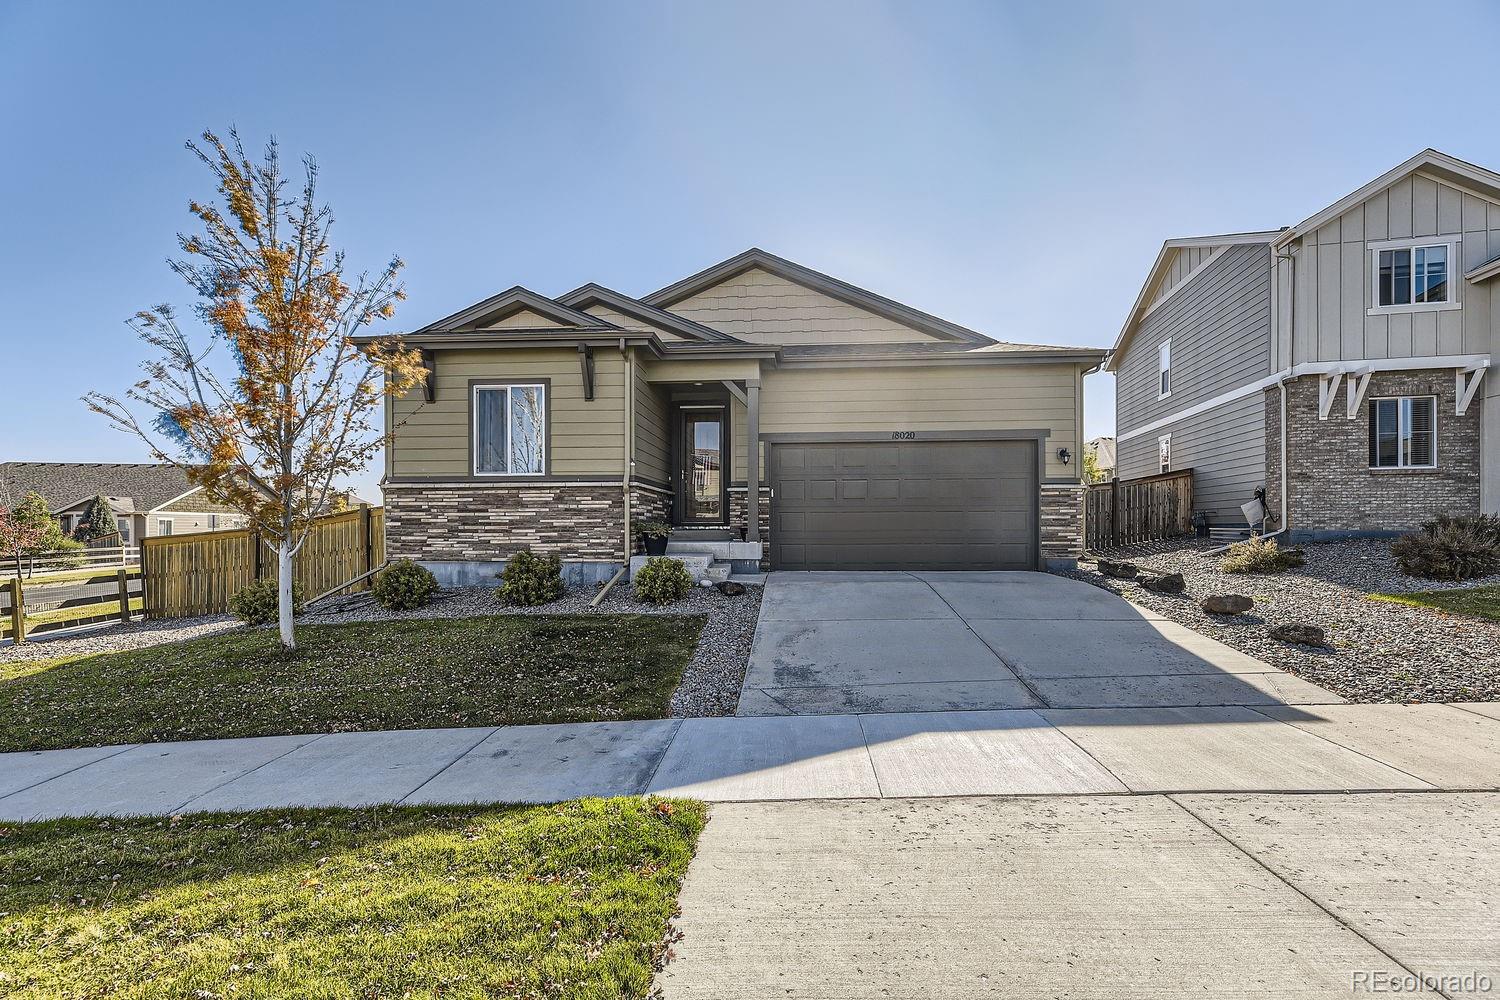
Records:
x=697, y=427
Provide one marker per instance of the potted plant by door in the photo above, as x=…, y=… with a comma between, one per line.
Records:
x=654, y=534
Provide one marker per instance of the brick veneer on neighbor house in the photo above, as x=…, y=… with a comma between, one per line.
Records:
x=1062, y=521
x=1332, y=487
x=483, y=522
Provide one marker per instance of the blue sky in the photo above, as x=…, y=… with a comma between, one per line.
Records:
x=1011, y=167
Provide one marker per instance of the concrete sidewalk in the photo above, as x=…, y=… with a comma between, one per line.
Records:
x=900, y=755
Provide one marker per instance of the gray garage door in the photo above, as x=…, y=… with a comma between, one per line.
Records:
x=904, y=505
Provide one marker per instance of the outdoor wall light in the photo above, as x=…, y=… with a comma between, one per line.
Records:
x=1063, y=455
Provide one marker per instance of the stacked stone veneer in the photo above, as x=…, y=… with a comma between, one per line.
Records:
x=483, y=522
x=647, y=505
x=1062, y=521
x=1334, y=491
x=739, y=512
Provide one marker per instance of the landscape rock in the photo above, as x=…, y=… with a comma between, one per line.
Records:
x=1172, y=583
x=1302, y=635
x=1119, y=570
x=1227, y=604
x=731, y=589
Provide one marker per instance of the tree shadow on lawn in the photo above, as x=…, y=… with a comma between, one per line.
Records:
x=360, y=677
x=452, y=901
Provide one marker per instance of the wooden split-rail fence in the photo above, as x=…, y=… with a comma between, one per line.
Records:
x=1126, y=511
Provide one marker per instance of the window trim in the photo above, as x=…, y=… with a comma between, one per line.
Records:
x=1398, y=467
x=1163, y=453
x=1415, y=243
x=1164, y=367
x=475, y=385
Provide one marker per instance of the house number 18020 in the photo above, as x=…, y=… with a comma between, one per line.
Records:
x=903, y=435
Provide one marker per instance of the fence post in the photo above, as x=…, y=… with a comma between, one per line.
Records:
x=1114, y=512
x=145, y=599
x=124, y=579
x=17, y=611
x=255, y=547
x=364, y=538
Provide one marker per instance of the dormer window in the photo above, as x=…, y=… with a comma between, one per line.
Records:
x=1164, y=370
x=1412, y=277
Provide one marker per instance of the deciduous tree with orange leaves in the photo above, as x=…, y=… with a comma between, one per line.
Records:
x=275, y=402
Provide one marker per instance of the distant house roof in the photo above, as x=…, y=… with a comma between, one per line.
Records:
x=1103, y=449
x=130, y=486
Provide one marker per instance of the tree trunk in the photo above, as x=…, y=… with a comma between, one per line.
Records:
x=284, y=595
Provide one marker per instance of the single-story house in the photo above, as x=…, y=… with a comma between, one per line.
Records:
x=771, y=412
x=1335, y=368
x=148, y=498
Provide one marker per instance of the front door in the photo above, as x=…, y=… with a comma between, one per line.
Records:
x=701, y=487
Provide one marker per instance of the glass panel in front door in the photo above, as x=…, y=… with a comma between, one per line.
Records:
x=705, y=485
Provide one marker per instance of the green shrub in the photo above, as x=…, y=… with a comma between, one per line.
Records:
x=1451, y=548
x=257, y=605
x=662, y=580
x=531, y=579
x=1259, y=555
x=404, y=586
x=654, y=529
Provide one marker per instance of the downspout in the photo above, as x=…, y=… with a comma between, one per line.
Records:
x=629, y=442
x=1286, y=371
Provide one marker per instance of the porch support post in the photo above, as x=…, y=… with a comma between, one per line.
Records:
x=752, y=460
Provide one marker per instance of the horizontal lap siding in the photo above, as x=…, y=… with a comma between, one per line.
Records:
x=766, y=309
x=652, y=449
x=948, y=398
x=1225, y=447
x=586, y=437
x=1220, y=328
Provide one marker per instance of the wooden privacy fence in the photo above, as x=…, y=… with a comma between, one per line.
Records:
x=197, y=574
x=1122, y=512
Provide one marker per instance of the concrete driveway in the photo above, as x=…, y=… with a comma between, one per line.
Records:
x=842, y=643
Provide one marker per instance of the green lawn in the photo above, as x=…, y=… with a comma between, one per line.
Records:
x=8, y=572
x=410, y=674
x=567, y=901
x=1475, y=602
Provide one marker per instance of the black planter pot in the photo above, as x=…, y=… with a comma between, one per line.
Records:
x=656, y=545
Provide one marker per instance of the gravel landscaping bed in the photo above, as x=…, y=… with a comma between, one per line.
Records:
x=710, y=684
x=1381, y=652
x=115, y=638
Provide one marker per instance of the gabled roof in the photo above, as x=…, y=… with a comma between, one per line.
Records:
x=139, y=486
x=1429, y=161
x=591, y=294
x=1484, y=271
x=510, y=302
x=818, y=282
x=1163, y=259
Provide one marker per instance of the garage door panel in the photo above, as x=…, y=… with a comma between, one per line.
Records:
x=904, y=505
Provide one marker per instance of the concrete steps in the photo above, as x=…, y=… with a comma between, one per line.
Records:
x=706, y=558
x=701, y=565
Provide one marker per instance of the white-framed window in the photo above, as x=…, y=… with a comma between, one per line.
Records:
x=1403, y=432
x=1412, y=276
x=1164, y=453
x=122, y=525
x=1164, y=370
x=163, y=525
x=510, y=429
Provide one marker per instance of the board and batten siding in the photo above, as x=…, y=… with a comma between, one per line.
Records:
x=763, y=308
x=1219, y=324
x=1325, y=317
x=585, y=437
x=938, y=398
x=1185, y=260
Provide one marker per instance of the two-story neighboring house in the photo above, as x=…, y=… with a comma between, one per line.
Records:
x=1337, y=364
